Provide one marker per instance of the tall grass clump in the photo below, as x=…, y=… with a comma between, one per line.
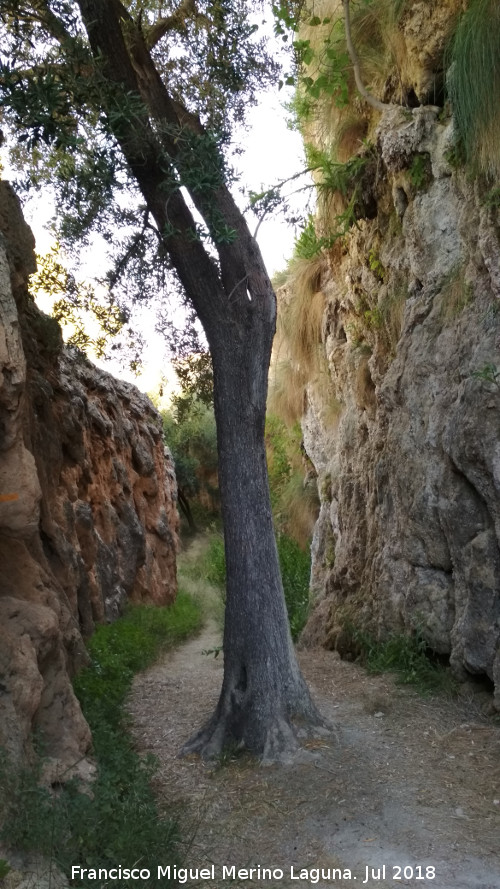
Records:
x=298, y=350
x=326, y=106
x=116, y=821
x=398, y=8
x=474, y=84
x=287, y=384
x=299, y=504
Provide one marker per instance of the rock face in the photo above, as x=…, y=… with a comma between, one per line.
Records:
x=88, y=515
x=409, y=467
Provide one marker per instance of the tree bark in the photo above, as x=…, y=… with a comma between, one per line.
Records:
x=186, y=509
x=263, y=690
x=372, y=100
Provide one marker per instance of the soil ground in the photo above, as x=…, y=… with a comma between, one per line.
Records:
x=402, y=782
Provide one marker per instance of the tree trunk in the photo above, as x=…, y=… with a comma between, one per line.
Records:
x=263, y=691
x=186, y=509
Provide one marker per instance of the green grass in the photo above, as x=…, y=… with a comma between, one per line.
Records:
x=404, y=655
x=118, y=822
x=474, y=83
x=295, y=565
x=215, y=562
x=420, y=172
x=121, y=649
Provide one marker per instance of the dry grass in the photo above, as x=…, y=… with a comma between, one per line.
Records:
x=456, y=294
x=287, y=384
x=303, y=327
x=341, y=127
x=301, y=312
x=300, y=503
x=297, y=353
x=350, y=131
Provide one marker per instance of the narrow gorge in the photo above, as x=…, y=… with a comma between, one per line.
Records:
x=387, y=352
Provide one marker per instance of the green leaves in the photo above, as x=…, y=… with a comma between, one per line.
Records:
x=343, y=179
x=309, y=244
x=324, y=63
x=76, y=305
x=305, y=53
x=286, y=16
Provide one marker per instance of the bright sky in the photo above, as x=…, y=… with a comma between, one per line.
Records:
x=273, y=153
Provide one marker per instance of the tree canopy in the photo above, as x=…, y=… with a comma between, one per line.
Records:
x=75, y=125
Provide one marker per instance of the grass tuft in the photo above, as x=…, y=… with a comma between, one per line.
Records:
x=295, y=564
x=287, y=391
x=405, y=655
x=299, y=507
x=474, y=84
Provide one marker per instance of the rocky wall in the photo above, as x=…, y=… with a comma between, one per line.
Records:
x=409, y=467
x=88, y=517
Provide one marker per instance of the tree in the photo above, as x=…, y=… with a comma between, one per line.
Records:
x=160, y=91
x=75, y=304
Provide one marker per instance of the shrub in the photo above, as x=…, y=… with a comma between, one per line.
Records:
x=190, y=433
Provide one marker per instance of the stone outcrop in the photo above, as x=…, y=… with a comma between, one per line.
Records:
x=88, y=515
x=408, y=537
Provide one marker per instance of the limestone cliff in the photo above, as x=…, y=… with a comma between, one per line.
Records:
x=88, y=515
x=405, y=434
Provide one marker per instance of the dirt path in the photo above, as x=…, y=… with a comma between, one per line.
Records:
x=403, y=782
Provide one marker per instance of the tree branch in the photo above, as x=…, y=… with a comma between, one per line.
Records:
x=174, y=22
x=375, y=103
x=53, y=24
